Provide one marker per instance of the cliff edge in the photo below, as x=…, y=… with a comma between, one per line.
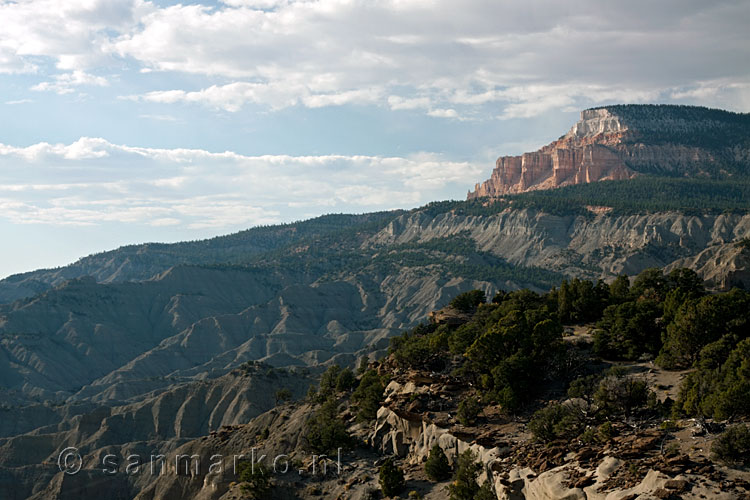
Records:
x=622, y=141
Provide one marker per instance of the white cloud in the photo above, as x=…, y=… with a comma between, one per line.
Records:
x=232, y=97
x=74, y=34
x=470, y=54
x=95, y=182
x=428, y=56
x=158, y=117
x=256, y=4
x=443, y=113
x=66, y=83
x=398, y=102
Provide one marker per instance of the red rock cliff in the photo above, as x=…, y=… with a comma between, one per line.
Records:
x=602, y=145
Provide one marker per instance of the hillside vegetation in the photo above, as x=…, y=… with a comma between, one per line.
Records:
x=512, y=348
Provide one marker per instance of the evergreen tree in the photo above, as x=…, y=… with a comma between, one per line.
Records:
x=345, y=380
x=326, y=432
x=437, y=467
x=619, y=289
x=368, y=395
x=391, y=478
x=464, y=485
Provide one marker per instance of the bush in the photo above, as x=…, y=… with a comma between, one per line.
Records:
x=346, y=380
x=364, y=362
x=391, y=478
x=699, y=322
x=282, y=395
x=485, y=492
x=328, y=381
x=628, y=330
x=720, y=392
x=416, y=350
x=605, y=431
x=468, y=301
x=464, y=485
x=326, y=432
x=468, y=410
x=584, y=387
x=581, y=300
x=557, y=421
x=621, y=393
x=368, y=395
x=651, y=284
x=371, y=494
x=312, y=393
x=256, y=480
x=619, y=290
x=516, y=350
x=733, y=446
x=437, y=467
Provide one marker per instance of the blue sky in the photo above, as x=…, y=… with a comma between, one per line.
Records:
x=126, y=121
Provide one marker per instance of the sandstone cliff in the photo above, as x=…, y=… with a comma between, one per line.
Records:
x=619, y=142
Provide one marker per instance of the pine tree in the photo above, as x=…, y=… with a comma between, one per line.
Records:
x=437, y=467
x=391, y=478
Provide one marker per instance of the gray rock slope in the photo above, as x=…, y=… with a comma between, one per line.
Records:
x=145, y=365
x=156, y=424
x=85, y=340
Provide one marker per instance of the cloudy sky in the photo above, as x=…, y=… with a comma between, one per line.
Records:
x=126, y=121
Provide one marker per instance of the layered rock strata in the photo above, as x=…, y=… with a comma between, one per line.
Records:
x=618, y=143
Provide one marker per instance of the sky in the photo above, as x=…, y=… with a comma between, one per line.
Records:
x=128, y=121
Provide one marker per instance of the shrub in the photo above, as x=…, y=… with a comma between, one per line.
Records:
x=699, y=322
x=371, y=494
x=485, y=492
x=584, y=387
x=621, y=393
x=346, y=380
x=557, y=421
x=326, y=432
x=651, y=284
x=606, y=431
x=391, y=478
x=464, y=485
x=328, y=381
x=581, y=300
x=733, y=446
x=282, y=395
x=413, y=350
x=364, y=362
x=619, y=290
x=256, y=480
x=468, y=410
x=468, y=301
x=368, y=395
x=516, y=350
x=628, y=330
x=312, y=393
x=720, y=392
x=437, y=467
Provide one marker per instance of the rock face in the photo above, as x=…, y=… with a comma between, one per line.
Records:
x=627, y=468
x=619, y=142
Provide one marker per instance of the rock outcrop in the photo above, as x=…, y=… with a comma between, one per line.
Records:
x=619, y=142
x=632, y=465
